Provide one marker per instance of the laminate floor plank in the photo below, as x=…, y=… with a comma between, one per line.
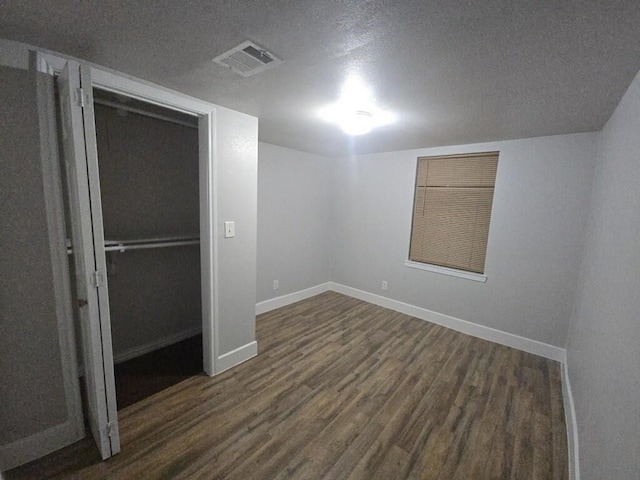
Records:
x=343, y=389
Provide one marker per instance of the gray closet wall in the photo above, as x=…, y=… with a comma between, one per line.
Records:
x=149, y=174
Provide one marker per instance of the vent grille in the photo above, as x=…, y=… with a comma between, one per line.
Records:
x=247, y=59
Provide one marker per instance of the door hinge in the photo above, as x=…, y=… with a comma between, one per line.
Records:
x=111, y=428
x=80, y=98
x=97, y=279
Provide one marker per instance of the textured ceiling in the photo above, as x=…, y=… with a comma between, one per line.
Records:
x=453, y=71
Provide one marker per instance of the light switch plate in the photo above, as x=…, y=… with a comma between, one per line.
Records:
x=229, y=229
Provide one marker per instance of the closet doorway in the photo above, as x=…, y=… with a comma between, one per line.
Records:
x=148, y=168
x=142, y=229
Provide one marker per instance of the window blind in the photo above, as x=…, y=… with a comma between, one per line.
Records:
x=452, y=210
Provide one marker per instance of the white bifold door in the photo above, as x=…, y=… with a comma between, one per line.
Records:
x=78, y=138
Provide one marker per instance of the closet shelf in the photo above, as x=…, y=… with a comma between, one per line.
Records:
x=142, y=243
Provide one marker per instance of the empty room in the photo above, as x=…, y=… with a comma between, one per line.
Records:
x=320, y=240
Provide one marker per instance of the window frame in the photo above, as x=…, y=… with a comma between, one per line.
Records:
x=435, y=268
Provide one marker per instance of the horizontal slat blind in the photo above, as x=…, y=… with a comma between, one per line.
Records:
x=452, y=210
x=460, y=171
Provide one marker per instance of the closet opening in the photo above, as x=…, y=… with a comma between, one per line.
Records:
x=138, y=168
x=149, y=188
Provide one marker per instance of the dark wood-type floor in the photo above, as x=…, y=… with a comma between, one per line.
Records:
x=343, y=389
x=143, y=376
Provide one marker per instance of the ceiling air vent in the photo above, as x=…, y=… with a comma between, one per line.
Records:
x=247, y=59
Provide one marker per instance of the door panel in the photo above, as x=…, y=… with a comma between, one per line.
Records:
x=100, y=259
x=90, y=279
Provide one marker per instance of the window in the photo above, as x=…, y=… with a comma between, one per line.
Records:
x=452, y=210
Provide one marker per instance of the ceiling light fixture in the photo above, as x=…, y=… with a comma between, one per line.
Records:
x=356, y=112
x=358, y=122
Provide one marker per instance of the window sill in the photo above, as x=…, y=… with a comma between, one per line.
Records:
x=476, y=277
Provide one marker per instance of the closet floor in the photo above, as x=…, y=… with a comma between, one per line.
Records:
x=143, y=376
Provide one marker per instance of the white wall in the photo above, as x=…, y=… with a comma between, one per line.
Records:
x=604, y=339
x=537, y=227
x=236, y=151
x=293, y=220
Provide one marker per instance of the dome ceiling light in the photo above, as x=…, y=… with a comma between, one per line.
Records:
x=357, y=122
x=356, y=112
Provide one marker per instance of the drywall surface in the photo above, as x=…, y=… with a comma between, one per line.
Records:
x=154, y=297
x=293, y=220
x=537, y=226
x=236, y=179
x=148, y=176
x=32, y=391
x=604, y=340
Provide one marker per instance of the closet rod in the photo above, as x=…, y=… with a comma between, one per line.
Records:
x=144, y=113
x=132, y=241
x=139, y=246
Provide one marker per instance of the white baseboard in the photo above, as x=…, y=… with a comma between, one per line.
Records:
x=487, y=333
x=155, y=345
x=571, y=423
x=236, y=357
x=38, y=445
x=294, y=297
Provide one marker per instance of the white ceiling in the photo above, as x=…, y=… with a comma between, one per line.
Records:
x=454, y=71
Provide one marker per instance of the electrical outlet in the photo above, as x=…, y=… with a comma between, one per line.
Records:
x=385, y=285
x=275, y=284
